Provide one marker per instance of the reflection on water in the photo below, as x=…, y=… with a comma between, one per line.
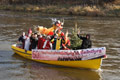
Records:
x=29, y=70
x=104, y=33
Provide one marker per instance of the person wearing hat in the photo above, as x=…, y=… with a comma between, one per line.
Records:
x=58, y=26
x=47, y=44
x=41, y=40
x=57, y=41
x=86, y=42
x=27, y=40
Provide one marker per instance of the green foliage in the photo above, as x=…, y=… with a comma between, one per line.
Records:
x=75, y=41
x=71, y=7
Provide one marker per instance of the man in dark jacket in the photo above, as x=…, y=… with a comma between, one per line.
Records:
x=34, y=41
x=22, y=39
x=86, y=42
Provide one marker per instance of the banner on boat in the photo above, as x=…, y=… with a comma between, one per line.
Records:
x=68, y=55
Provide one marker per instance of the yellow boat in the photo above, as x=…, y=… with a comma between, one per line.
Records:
x=88, y=64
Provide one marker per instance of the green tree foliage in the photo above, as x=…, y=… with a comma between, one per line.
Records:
x=75, y=41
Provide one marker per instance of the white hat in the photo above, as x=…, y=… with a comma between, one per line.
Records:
x=58, y=21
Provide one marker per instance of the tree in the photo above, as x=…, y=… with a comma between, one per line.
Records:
x=75, y=41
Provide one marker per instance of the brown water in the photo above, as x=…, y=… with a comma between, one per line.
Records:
x=105, y=32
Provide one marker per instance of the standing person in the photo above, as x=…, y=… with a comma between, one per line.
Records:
x=41, y=41
x=22, y=39
x=57, y=42
x=86, y=42
x=47, y=44
x=67, y=41
x=27, y=40
x=34, y=41
x=57, y=26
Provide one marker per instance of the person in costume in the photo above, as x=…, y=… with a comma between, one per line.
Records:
x=47, y=44
x=27, y=40
x=58, y=26
x=67, y=41
x=57, y=42
x=41, y=41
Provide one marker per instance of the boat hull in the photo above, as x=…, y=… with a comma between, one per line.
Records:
x=89, y=64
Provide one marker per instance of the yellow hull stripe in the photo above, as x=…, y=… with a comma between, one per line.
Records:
x=89, y=64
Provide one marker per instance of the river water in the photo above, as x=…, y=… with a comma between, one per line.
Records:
x=105, y=32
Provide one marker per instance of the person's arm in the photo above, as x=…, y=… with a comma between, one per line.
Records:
x=20, y=38
x=80, y=36
x=31, y=39
x=51, y=37
x=24, y=37
x=50, y=45
x=36, y=38
x=63, y=40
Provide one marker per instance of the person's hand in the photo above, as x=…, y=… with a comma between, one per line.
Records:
x=78, y=32
x=23, y=34
x=56, y=30
x=35, y=36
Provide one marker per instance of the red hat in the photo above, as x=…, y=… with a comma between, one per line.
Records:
x=62, y=34
x=30, y=31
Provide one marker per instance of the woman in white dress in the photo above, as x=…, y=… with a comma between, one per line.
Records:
x=27, y=40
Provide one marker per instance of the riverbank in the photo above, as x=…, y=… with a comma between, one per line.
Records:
x=106, y=10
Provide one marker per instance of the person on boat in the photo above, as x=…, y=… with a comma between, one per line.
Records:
x=22, y=39
x=57, y=26
x=41, y=40
x=57, y=42
x=86, y=42
x=34, y=41
x=47, y=44
x=27, y=40
x=67, y=41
